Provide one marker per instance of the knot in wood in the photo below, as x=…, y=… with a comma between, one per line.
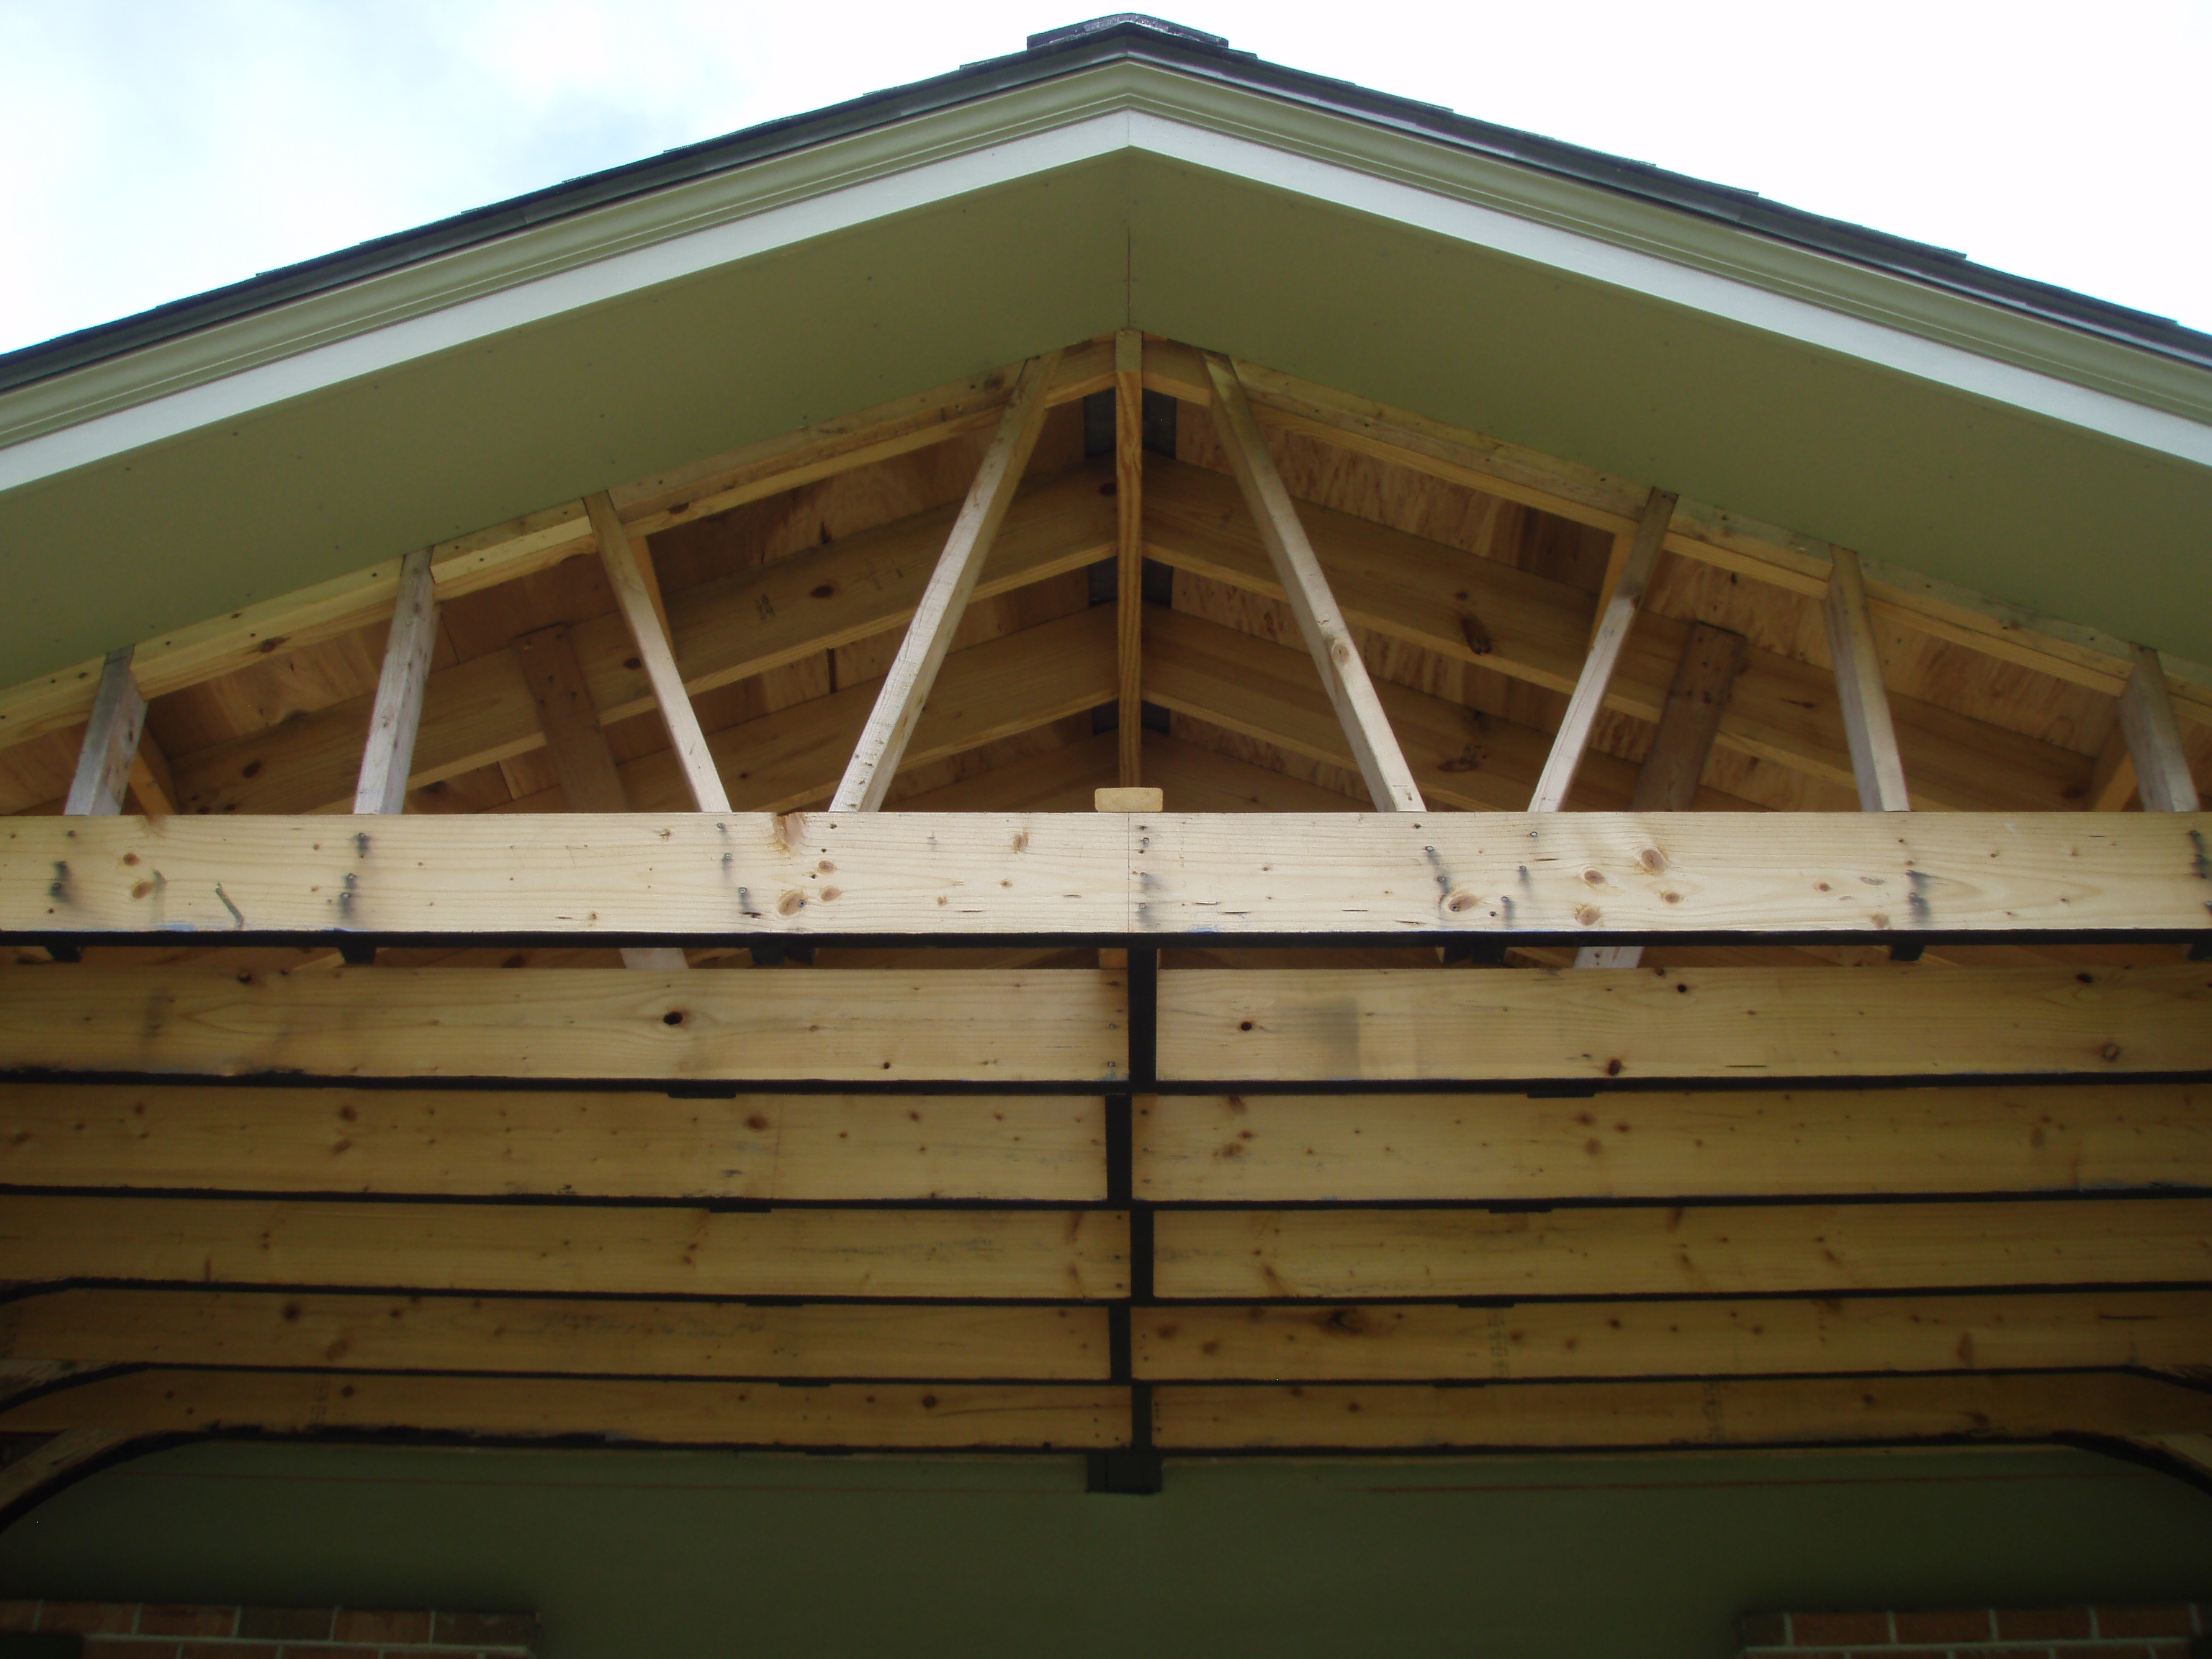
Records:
x=1651, y=861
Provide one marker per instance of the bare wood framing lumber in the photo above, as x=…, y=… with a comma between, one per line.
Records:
x=1731, y=1144
x=2160, y=1330
x=1798, y=1249
x=638, y=600
x=569, y=1249
x=484, y=1143
x=151, y=781
x=110, y=741
x=871, y=1026
x=1402, y=1025
x=388, y=756
x=1129, y=549
x=1336, y=652
x=69, y=1449
x=1617, y=615
x=907, y=683
x=1761, y=1411
x=892, y=1416
x=2153, y=738
x=1876, y=765
x=85, y=1329
x=1604, y=877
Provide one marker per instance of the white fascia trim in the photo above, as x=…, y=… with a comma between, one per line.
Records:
x=1610, y=262
x=351, y=356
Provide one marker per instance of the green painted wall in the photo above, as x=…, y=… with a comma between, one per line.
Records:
x=628, y=1553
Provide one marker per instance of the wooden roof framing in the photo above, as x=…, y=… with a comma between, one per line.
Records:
x=1287, y=1171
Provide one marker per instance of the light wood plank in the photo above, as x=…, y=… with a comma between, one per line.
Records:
x=892, y=1416
x=877, y=1027
x=637, y=600
x=484, y=1143
x=32, y=1471
x=1617, y=615
x=1796, y=1411
x=86, y=1329
x=152, y=784
x=569, y=1249
x=1129, y=550
x=1602, y=876
x=1731, y=1144
x=1876, y=764
x=907, y=683
x=110, y=741
x=1743, y=1023
x=1328, y=638
x=2153, y=738
x=388, y=758
x=1797, y=1249
x=1769, y=1336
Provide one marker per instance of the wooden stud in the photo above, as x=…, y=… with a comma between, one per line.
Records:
x=637, y=600
x=905, y=686
x=388, y=758
x=32, y=1471
x=1383, y=1342
x=572, y=1250
x=87, y=1329
x=1129, y=548
x=1305, y=586
x=110, y=741
x=151, y=781
x=1797, y=1249
x=1588, y=699
x=1875, y=763
x=1514, y=1148
x=2153, y=738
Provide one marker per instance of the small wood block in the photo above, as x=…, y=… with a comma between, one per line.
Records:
x=1128, y=800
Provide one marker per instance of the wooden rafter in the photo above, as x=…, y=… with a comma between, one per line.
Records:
x=110, y=741
x=388, y=758
x=2153, y=738
x=1129, y=550
x=907, y=683
x=1336, y=652
x=1877, y=767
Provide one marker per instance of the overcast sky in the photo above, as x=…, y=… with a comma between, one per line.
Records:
x=153, y=148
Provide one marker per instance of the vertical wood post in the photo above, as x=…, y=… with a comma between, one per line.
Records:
x=1875, y=762
x=111, y=740
x=2154, y=737
x=398, y=714
x=1129, y=548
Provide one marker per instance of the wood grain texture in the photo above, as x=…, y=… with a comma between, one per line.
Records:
x=1876, y=764
x=2153, y=738
x=388, y=758
x=1129, y=550
x=568, y=1250
x=1705, y=679
x=1726, y=1144
x=1594, y=877
x=871, y=1026
x=892, y=1416
x=87, y=1329
x=1797, y=1250
x=484, y=1143
x=110, y=741
x=1387, y=1024
x=1794, y=1410
x=2163, y=1330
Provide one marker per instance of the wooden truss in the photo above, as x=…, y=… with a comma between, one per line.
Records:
x=1130, y=1131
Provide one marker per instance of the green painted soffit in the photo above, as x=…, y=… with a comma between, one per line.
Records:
x=1126, y=230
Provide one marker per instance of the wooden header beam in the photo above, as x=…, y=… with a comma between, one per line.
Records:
x=1587, y=877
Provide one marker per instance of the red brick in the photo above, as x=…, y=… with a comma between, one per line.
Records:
x=321, y=1652
x=364, y=1624
x=18, y=1615
x=491, y=1630
x=2172, y=1620
x=90, y=1617
x=2013, y=1653
x=1949, y=1624
x=2043, y=1624
x=1902, y=1653
x=171, y=1619
x=227, y=1650
x=1839, y=1629
x=285, y=1624
x=129, y=1647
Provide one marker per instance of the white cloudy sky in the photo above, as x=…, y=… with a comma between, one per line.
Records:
x=153, y=149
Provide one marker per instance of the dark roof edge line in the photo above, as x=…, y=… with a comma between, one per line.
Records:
x=1739, y=210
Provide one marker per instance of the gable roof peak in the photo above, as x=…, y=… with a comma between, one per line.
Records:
x=1124, y=20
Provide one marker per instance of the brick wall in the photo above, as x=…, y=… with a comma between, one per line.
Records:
x=156, y=1630
x=2175, y=1630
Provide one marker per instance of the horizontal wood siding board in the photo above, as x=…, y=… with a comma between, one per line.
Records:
x=568, y=1250
x=482, y=1143
x=892, y=1416
x=1799, y=1249
x=872, y=1026
x=1800, y=1411
x=87, y=1328
x=1476, y=1148
x=1232, y=1026
x=1770, y=1336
